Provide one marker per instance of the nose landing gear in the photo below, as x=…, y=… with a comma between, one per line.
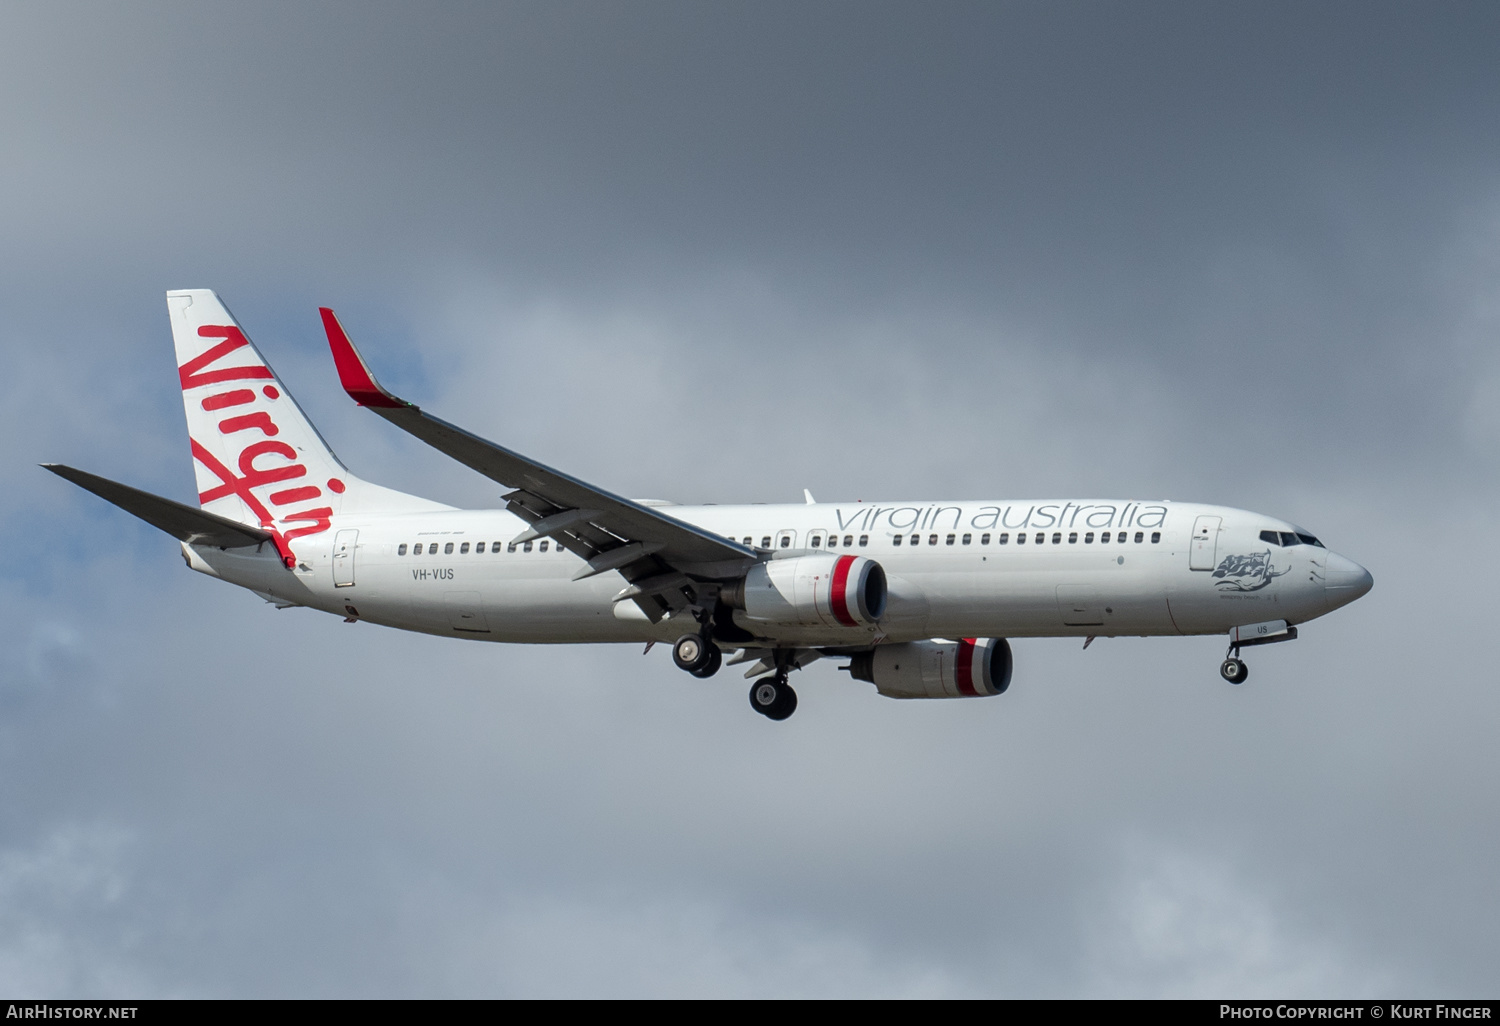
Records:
x=1233, y=669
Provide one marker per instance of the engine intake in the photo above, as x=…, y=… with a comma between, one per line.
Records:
x=967, y=668
x=812, y=591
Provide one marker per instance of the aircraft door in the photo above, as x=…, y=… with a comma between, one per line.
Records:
x=344, y=544
x=1205, y=548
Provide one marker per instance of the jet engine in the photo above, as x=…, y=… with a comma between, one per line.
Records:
x=812, y=591
x=967, y=668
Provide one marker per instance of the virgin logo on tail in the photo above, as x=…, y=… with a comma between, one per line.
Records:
x=263, y=462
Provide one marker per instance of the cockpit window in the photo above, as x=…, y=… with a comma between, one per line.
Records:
x=1288, y=538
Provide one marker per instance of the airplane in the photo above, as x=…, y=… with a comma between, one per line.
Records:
x=920, y=597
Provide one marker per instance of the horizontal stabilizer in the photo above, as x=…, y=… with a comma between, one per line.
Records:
x=185, y=523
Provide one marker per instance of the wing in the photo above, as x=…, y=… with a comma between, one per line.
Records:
x=665, y=561
x=185, y=523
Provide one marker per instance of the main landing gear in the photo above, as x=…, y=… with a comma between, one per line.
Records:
x=698, y=655
x=773, y=697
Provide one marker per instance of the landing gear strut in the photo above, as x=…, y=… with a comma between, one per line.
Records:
x=773, y=697
x=698, y=655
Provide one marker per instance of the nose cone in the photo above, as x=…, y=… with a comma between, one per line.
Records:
x=1346, y=580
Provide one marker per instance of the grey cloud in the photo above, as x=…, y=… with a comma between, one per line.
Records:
x=720, y=254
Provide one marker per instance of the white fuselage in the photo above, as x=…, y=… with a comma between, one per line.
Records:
x=956, y=569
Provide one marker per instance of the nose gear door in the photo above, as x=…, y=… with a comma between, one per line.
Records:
x=1205, y=547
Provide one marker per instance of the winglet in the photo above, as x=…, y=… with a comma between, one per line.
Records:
x=354, y=374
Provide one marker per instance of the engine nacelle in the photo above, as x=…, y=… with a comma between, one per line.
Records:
x=813, y=591
x=967, y=668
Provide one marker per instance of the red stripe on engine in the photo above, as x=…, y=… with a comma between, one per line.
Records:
x=964, y=672
x=838, y=601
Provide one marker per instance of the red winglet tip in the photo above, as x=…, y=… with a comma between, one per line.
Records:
x=354, y=375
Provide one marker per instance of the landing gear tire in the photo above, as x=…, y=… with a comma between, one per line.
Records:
x=773, y=698
x=693, y=652
x=1234, y=670
x=715, y=660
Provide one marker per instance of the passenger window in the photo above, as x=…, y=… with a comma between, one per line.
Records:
x=526, y=547
x=1004, y=538
x=833, y=541
x=932, y=539
x=949, y=540
x=1072, y=537
x=541, y=546
x=1088, y=538
x=864, y=540
x=448, y=549
x=401, y=549
x=463, y=550
x=968, y=538
x=479, y=547
x=495, y=548
x=896, y=540
x=511, y=547
x=786, y=541
x=849, y=540
x=815, y=542
x=1056, y=537
x=1041, y=536
x=1020, y=538
x=1140, y=536
x=1155, y=537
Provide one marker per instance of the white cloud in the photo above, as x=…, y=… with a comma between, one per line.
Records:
x=65, y=927
x=1186, y=925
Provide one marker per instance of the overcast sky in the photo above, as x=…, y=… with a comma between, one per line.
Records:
x=1246, y=254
